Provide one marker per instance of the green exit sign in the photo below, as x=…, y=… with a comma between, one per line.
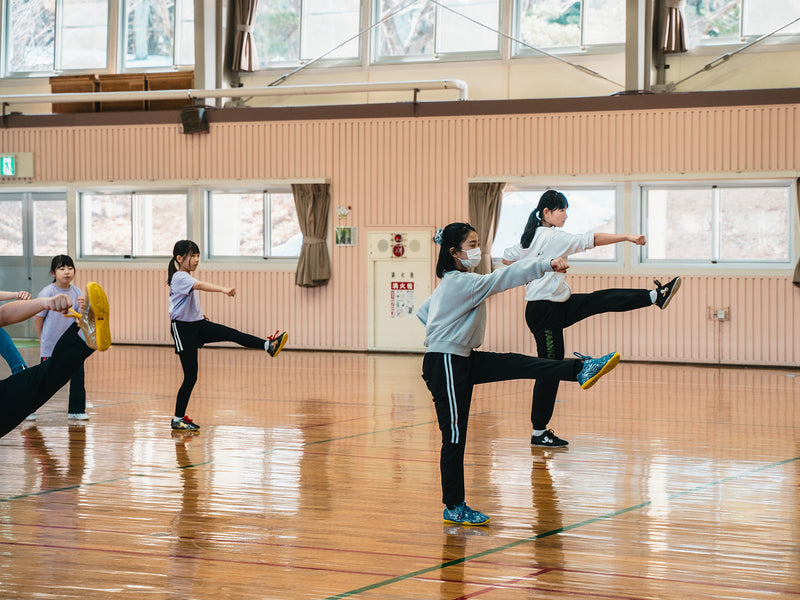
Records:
x=8, y=166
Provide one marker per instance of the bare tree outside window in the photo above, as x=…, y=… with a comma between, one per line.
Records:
x=408, y=33
x=150, y=33
x=31, y=29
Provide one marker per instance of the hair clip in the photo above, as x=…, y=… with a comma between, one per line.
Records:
x=438, y=237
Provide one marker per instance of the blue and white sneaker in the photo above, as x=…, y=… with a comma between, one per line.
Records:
x=594, y=368
x=464, y=515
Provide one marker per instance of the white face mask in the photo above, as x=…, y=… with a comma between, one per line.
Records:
x=473, y=258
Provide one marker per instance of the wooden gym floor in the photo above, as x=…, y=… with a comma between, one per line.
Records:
x=316, y=476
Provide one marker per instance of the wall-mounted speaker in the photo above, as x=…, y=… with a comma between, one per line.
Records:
x=194, y=119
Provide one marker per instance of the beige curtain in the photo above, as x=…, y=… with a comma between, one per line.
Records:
x=244, y=48
x=484, y=212
x=673, y=39
x=313, y=202
x=796, y=277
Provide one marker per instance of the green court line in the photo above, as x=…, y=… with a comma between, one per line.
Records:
x=540, y=536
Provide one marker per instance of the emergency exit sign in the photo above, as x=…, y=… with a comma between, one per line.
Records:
x=8, y=166
x=16, y=164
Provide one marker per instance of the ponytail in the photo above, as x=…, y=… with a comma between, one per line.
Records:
x=448, y=238
x=551, y=200
x=181, y=248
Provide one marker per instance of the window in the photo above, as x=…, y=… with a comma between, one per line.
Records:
x=718, y=223
x=158, y=33
x=294, y=31
x=131, y=224
x=589, y=210
x=253, y=224
x=49, y=227
x=50, y=35
x=10, y=227
x=733, y=21
x=569, y=24
x=425, y=31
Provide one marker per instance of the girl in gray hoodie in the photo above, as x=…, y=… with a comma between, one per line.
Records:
x=454, y=317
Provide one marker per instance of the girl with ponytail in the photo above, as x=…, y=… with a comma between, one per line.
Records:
x=191, y=330
x=552, y=307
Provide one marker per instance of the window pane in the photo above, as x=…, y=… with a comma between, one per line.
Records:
x=758, y=21
x=49, y=227
x=326, y=24
x=407, y=33
x=679, y=224
x=286, y=235
x=11, y=228
x=764, y=233
x=150, y=33
x=605, y=22
x=83, y=29
x=160, y=222
x=277, y=32
x=550, y=23
x=589, y=210
x=31, y=30
x=237, y=224
x=457, y=34
x=186, y=50
x=106, y=225
x=710, y=20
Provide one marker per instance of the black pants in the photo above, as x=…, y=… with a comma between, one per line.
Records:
x=189, y=337
x=77, y=391
x=26, y=391
x=547, y=321
x=450, y=379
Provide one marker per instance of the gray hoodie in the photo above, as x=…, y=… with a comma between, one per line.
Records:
x=455, y=314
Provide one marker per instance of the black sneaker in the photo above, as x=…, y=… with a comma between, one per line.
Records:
x=664, y=293
x=548, y=439
x=276, y=343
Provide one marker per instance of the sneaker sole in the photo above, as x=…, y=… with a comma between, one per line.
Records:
x=98, y=301
x=609, y=366
x=282, y=343
x=675, y=288
x=449, y=522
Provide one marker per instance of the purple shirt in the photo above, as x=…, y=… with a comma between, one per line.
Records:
x=184, y=302
x=55, y=323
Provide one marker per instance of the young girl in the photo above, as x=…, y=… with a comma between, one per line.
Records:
x=551, y=305
x=51, y=325
x=8, y=350
x=191, y=330
x=455, y=319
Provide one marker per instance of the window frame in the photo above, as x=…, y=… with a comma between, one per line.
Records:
x=266, y=224
x=719, y=264
x=135, y=213
x=566, y=189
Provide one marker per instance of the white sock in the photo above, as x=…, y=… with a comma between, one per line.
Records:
x=176, y=418
x=266, y=345
x=653, y=296
x=538, y=432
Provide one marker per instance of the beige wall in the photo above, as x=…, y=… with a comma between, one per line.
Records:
x=414, y=173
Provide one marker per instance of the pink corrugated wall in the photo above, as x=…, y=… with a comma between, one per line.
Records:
x=407, y=173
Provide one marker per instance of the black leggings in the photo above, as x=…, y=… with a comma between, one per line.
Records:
x=450, y=379
x=547, y=321
x=195, y=335
x=26, y=391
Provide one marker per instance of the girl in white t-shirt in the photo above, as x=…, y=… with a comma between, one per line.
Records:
x=191, y=330
x=551, y=305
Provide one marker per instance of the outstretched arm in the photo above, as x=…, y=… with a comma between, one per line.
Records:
x=14, y=295
x=204, y=286
x=604, y=239
x=15, y=312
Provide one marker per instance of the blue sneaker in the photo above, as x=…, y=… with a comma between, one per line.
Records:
x=464, y=515
x=594, y=368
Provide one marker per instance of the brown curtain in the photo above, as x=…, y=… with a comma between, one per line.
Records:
x=244, y=48
x=796, y=277
x=673, y=39
x=484, y=212
x=313, y=203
